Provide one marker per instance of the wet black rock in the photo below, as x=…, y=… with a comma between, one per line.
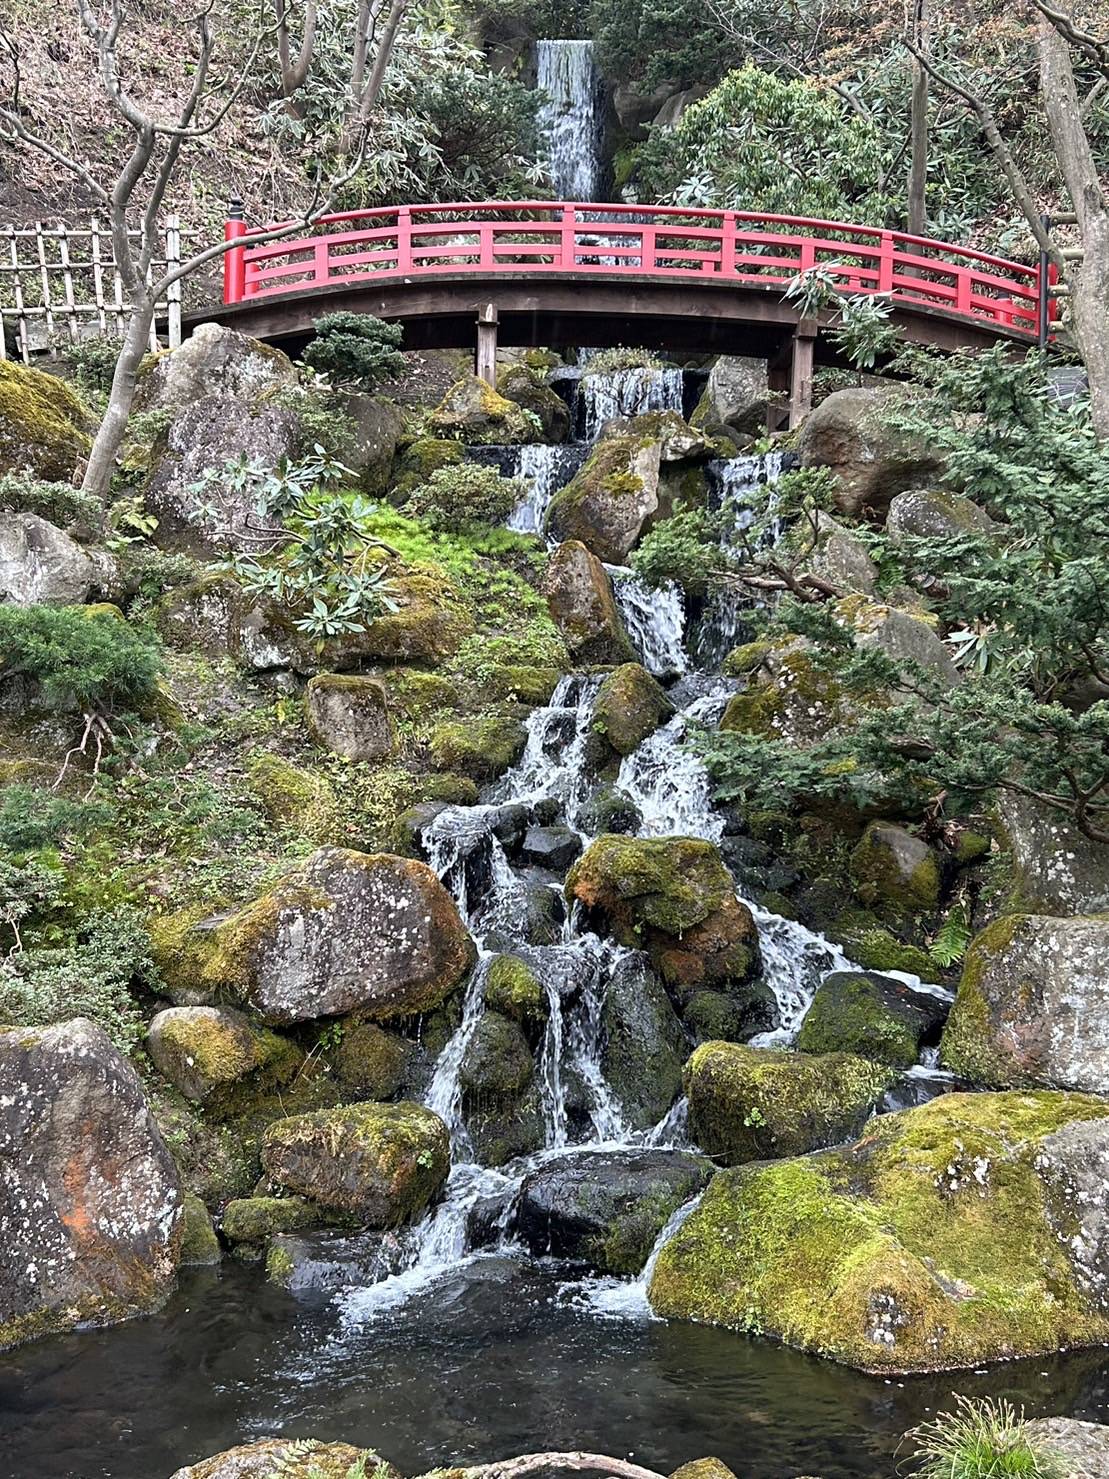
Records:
x=645, y=1045
x=551, y=847
x=606, y=1209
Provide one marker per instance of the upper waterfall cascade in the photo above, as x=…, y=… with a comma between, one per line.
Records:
x=570, y=118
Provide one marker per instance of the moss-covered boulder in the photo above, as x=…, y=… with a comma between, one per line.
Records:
x=44, y=428
x=349, y=716
x=474, y=413
x=583, y=608
x=500, y=1101
x=213, y=363
x=629, y=706
x=752, y=1104
x=217, y=1056
x=90, y=1197
x=252, y=1220
x=199, y=1242
x=1056, y=869
x=872, y=1015
x=645, y=1045
x=419, y=694
x=901, y=635
x=288, y=792
x=606, y=1209
x=896, y=871
x=731, y=1016
x=481, y=748
x=292, y=1459
x=674, y=897
x=788, y=696
x=1033, y=1005
x=415, y=464
x=382, y=1163
x=372, y=1063
x=926, y=513
x=611, y=499
x=520, y=384
x=346, y=931
x=949, y=1235
x=513, y=989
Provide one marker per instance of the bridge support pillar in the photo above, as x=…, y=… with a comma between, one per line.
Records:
x=486, y=366
x=801, y=371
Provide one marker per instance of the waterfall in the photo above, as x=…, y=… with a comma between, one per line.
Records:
x=654, y=621
x=545, y=470
x=609, y=395
x=736, y=487
x=570, y=117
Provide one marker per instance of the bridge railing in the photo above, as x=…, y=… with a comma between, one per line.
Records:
x=659, y=242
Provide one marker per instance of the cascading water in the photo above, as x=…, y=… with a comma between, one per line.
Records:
x=570, y=117
x=737, y=486
x=608, y=395
x=654, y=621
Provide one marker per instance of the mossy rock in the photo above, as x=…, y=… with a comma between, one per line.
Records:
x=288, y=792
x=749, y=1104
x=455, y=790
x=421, y=695
x=745, y=659
x=502, y=1131
x=527, y=685
x=218, y=1057
x=44, y=427
x=731, y=1016
x=872, y=1015
x=630, y=705
x=942, y=1239
x=482, y=748
x=892, y=869
x=497, y=1065
x=876, y=949
x=513, y=989
x=644, y=1044
x=291, y=1459
x=674, y=897
x=382, y=1163
x=474, y=413
x=795, y=700
x=419, y=460
x=375, y=1064
x=199, y=1243
x=517, y=383
x=343, y=932
x=254, y=1219
x=181, y=946
x=610, y=500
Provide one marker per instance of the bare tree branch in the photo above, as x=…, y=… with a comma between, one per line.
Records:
x=294, y=74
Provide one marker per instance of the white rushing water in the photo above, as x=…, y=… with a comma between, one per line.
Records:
x=545, y=469
x=654, y=621
x=571, y=119
x=607, y=395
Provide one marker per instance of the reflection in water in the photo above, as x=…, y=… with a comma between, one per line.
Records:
x=473, y=1371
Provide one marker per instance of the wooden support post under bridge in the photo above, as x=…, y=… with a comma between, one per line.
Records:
x=487, y=344
x=801, y=371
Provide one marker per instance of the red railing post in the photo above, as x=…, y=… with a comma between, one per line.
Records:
x=727, y=244
x=321, y=265
x=568, y=241
x=963, y=289
x=885, y=262
x=404, y=239
x=234, y=260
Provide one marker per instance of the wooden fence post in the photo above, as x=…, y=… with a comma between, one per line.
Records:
x=801, y=371
x=173, y=294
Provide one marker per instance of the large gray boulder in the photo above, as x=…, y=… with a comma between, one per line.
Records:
x=930, y=514
x=606, y=1208
x=1033, y=1005
x=737, y=393
x=202, y=437
x=215, y=363
x=1056, y=868
x=582, y=606
x=90, y=1197
x=1083, y=1447
x=849, y=433
x=381, y=1163
x=378, y=426
x=40, y=564
x=644, y=1043
x=346, y=931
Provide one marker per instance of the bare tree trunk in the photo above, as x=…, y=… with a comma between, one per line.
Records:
x=918, y=127
x=1088, y=280
x=109, y=438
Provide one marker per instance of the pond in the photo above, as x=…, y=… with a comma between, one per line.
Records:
x=501, y=1357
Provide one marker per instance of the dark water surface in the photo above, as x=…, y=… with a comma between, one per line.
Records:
x=491, y=1363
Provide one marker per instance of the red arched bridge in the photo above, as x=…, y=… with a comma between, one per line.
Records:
x=565, y=274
